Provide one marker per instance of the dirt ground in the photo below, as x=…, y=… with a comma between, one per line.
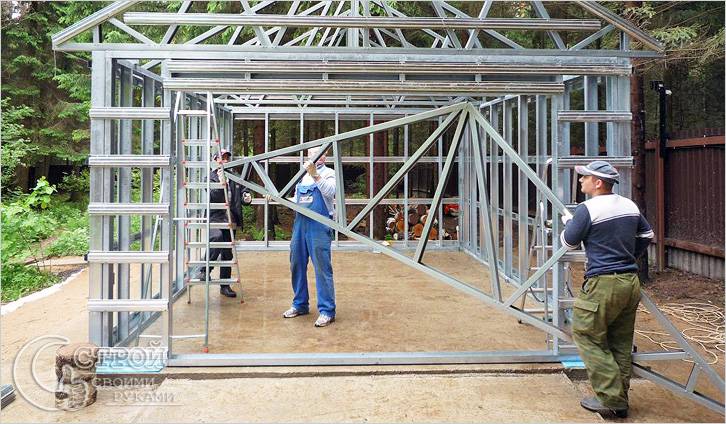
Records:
x=673, y=285
x=491, y=393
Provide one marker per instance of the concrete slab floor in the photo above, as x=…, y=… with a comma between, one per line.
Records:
x=471, y=393
x=382, y=306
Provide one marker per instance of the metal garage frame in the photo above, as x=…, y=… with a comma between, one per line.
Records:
x=359, y=59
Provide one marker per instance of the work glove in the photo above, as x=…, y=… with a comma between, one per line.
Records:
x=566, y=217
x=311, y=168
x=268, y=197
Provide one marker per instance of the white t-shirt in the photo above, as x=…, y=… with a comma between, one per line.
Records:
x=326, y=185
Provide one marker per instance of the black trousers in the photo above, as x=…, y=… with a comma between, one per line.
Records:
x=220, y=253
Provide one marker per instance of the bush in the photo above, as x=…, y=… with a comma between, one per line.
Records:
x=26, y=221
x=19, y=280
x=78, y=184
x=71, y=242
x=40, y=198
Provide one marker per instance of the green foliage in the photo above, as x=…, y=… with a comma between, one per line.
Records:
x=29, y=219
x=40, y=196
x=281, y=234
x=249, y=220
x=76, y=182
x=248, y=214
x=70, y=242
x=359, y=185
x=46, y=97
x=19, y=280
x=693, y=67
x=22, y=228
x=16, y=146
x=675, y=37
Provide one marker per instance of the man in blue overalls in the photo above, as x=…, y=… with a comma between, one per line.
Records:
x=311, y=239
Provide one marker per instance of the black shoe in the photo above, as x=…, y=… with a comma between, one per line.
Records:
x=594, y=405
x=225, y=290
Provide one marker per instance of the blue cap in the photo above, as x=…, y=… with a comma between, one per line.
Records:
x=600, y=169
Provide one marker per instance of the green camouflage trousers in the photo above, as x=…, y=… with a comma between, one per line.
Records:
x=602, y=328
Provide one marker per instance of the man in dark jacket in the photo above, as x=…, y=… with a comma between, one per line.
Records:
x=237, y=196
x=614, y=234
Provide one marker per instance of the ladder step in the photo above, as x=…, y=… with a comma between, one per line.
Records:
x=539, y=246
x=594, y=116
x=212, y=244
x=567, y=302
x=196, y=164
x=212, y=263
x=540, y=289
x=132, y=161
x=203, y=186
x=203, y=239
x=217, y=281
x=130, y=113
x=574, y=256
x=199, y=142
x=128, y=257
x=616, y=161
x=127, y=305
x=187, y=336
x=203, y=206
x=568, y=346
x=190, y=112
x=212, y=225
x=128, y=208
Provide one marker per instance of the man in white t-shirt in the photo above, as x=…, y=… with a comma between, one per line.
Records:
x=311, y=240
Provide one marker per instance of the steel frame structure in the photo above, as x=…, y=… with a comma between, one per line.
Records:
x=361, y=60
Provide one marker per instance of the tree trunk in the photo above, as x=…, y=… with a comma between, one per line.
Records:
x=272, y=218
x=380, y=141
x=42, y=169
x=21, y=178
x=258, y=141
x=380, y=175
x=245, y=139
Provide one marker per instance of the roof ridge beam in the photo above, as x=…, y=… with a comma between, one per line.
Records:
x=146, y=18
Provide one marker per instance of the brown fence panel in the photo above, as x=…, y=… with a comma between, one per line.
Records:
x=694, y=198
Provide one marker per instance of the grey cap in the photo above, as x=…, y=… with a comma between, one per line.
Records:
x=600, y=169
x=222, y=152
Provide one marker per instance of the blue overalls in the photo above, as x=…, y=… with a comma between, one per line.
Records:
x=311, y=239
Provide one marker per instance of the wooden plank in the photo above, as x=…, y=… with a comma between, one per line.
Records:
x=695, y=247
x=716, y=140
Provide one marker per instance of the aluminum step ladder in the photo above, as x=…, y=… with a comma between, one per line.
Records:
x=541, y=235
x=196, y=166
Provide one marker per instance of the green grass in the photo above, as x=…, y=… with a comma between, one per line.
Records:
x=45, y=223
x=28, y=220
x=19, y=280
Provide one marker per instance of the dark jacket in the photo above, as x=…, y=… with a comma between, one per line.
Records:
x=235, y=192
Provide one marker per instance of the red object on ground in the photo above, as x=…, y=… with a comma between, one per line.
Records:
x=451, y=209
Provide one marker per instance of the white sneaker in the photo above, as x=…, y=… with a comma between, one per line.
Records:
x=324, y=320
x=292, y=313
